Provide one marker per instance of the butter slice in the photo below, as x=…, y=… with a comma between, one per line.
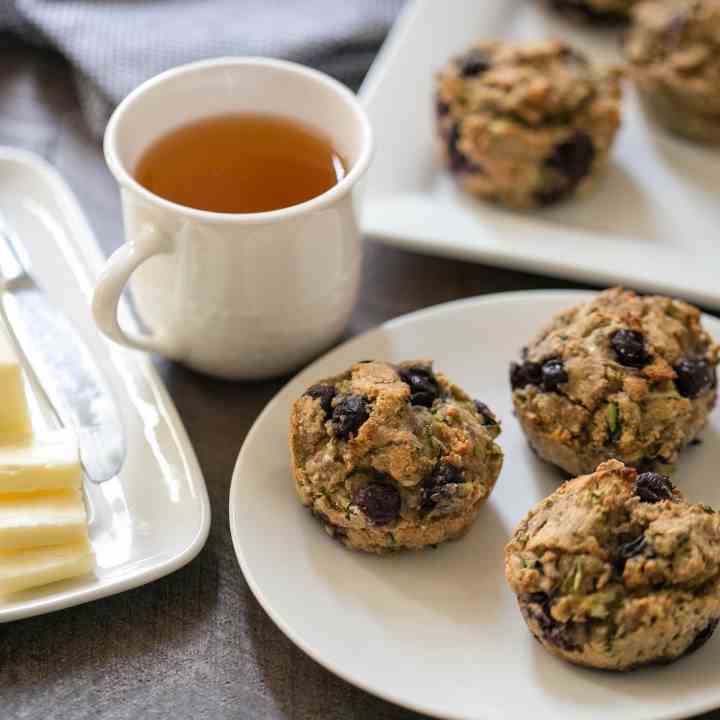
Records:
x=25, y=569
x=14, y=413
x=30, y=520
x=48, y=461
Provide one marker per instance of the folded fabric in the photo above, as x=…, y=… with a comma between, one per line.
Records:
x=116, y=44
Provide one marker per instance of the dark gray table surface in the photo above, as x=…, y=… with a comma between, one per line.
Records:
x=195, y=644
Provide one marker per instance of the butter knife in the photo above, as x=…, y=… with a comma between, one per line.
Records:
x=60, y=364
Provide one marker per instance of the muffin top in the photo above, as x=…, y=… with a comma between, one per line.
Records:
x=538, y=84
x=678, y=41
x=625, y=376
x=613, y=531
x=388, y=442
x=621, y=341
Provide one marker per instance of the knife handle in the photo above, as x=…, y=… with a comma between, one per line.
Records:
x=113, y=280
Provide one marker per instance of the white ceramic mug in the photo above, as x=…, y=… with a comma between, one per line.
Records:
x=241, y=296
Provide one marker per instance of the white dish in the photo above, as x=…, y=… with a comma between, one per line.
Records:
x=439, y=631
x=651, y=222
x=155, y=516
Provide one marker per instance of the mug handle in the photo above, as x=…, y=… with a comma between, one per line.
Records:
x=111, y=284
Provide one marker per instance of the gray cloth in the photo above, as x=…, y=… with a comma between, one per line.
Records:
x=116, y=44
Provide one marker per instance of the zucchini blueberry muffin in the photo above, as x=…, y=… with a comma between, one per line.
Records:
x=390, y=457
x=617, y=570
x=596, y=11
x=624, y=376
x=674, y=54
x=526, y=125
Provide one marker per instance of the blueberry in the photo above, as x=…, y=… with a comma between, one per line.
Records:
x=434, y=486
x=629, y=347
x=632, y=548
x=627, y=551
x=652, y=487
x=458, y=161
x=703, y=636
x=446, y=474
x=527, y=373
x=589, y=13
x=553, y=632
x=474, y=63
x=694, y=377
x=573, y=159
x=325, y=393
x=550, y=197
x=488, y=416
x=675, y=29
x=517, y=376
x=533, y=372
x=424, y=388
x=349, y=415
x=380, y=502
x=553, y=374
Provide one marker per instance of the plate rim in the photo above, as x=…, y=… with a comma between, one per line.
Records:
x=89, y=253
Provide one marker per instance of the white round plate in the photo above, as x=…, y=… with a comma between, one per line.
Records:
x=438, y=631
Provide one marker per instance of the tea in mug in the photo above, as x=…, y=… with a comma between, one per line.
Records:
x=240, y=163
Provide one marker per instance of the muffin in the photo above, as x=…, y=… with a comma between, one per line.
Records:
x=392, y=457
x=526, y=125
x=624, y=376
x=597, y=11
x=673, y=51
x=617, y=570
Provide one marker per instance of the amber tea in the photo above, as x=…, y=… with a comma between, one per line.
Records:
x=244, y=163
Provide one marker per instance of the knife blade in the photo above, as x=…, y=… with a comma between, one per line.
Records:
x=59, y=362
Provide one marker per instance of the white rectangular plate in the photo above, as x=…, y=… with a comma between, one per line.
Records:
x=154, y=517
x=651, y=221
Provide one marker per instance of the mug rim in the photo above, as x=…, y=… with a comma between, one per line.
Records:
x=319, y=202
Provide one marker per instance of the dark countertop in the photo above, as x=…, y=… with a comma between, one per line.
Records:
x=195, y=644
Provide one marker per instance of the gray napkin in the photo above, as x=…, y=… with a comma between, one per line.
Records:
x=116, y=44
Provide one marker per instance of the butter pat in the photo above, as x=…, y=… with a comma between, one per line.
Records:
x=46, y=462
x=14, y=414
x=25, y=569
x=30, y=520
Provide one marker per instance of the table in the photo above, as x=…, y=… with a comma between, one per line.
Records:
x=195, y=644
